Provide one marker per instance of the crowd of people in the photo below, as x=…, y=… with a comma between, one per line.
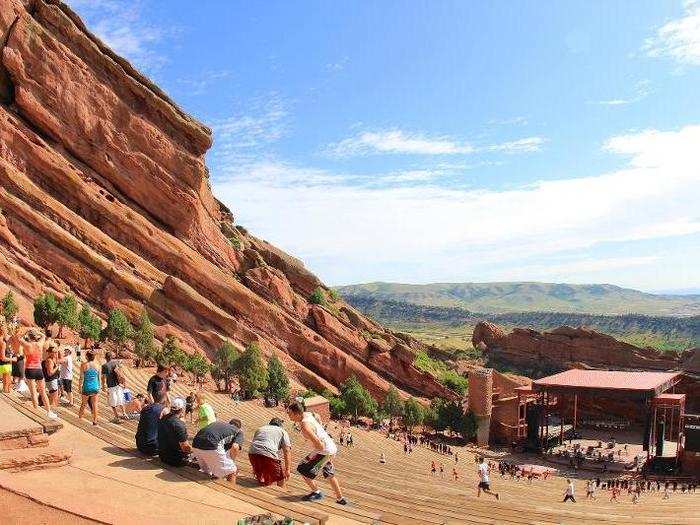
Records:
x=216, y=446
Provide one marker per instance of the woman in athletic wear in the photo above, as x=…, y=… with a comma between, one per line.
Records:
x=321, y=457
x=89, y=386
x=33, y=347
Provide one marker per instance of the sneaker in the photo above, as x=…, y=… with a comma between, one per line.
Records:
x=341, y=501
x=314, y=496
x=52, y=415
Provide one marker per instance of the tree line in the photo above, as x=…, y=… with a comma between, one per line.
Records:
x=354, y=401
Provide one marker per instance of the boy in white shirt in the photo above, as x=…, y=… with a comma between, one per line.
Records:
x=484, y=484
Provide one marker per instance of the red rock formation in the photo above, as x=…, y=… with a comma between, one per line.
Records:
x=565, y=347
x=104, y=192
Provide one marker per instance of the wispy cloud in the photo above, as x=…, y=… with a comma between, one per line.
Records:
x=334, y=67
x=465, y=232
x=396, y=141
x=678, y=39
x=242, y=138
x=121, y=26
x=526, y=145
x=200, y=84
x=642, y=91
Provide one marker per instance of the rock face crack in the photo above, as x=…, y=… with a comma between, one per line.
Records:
x=7, y=88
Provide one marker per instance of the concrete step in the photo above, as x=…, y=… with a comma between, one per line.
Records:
x=33, y=459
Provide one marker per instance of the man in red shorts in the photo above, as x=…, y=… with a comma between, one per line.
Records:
x=264, y=453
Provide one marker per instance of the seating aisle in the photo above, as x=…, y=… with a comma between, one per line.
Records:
x=401, y=491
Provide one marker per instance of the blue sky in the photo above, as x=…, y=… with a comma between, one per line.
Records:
x=443, y=141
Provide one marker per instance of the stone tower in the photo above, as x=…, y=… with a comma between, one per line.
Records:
x=481, y=401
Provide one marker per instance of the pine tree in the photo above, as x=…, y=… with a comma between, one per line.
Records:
x=143, y=338
x=251, y=372
x=45, y=310
x=224, y=366
x=90, y=325
x=67, y=314
x=197, y=365
x=9, y=306
x=171, y=354
x=413, y=413
x=118, y=329
x=392, y=405
x=358, y=401
x=277, y=380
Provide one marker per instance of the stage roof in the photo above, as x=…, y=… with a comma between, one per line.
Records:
x=597, y=381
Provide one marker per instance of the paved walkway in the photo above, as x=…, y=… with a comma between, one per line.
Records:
x=108, y=485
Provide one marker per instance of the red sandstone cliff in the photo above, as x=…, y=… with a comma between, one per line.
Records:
x=104, y=192
x=566, y=347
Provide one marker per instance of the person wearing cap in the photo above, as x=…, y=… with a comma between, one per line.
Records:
x=216, y=446
x=264, y=453
x=173, y=447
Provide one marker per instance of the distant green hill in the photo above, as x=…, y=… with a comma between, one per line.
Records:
x=528, y=297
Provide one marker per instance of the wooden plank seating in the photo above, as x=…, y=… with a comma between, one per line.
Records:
x=401, y=491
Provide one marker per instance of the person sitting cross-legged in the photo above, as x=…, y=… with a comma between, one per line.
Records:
x=216, y=446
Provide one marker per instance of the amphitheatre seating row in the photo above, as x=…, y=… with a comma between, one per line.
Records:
x=402, y=490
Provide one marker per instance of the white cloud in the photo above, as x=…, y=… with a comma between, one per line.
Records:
x=200, y=84
x=121, y=26
x=642, y=91
x=425, y=231
x=526, y=145
x=678, y=39
x=396, y=141
x=241, y=138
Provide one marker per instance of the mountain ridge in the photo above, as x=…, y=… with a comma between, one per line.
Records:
x=529, y=296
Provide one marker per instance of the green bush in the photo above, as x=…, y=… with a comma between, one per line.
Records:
x=251, y=372
x=118, y=329
x=9, y=307
x=144, y=339
x=45, y=310
x=277, y=380
x=90, y=326
x=318, y=297
x=67, y=314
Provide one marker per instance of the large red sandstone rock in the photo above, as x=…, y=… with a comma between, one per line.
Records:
x=566, y=347
x=104, y=192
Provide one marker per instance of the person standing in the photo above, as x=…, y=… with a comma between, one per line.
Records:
x=33, y=348
x=264, y=453
x=158, y=385
x=7, y=358
x=320, y=459
x=484, y=484
x=89, y=386
x=66, y=375
x=569, y=492
x=173, y=447
x=113, y=380
x=205, y=412
x=216, y=446
x=51, y=370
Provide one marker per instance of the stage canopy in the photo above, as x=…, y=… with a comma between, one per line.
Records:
x=638, y=385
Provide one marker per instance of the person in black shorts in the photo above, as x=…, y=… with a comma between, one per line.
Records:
x=484, y=485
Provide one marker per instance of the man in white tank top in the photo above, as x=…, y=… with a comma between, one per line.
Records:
x=321, y=457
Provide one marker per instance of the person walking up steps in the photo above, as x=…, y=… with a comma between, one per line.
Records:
x=7, y=358
x=321, y=457
x=114, y=381
x=569, y=492
x=89, y=386
x=264, y=453
x=66, y=375
x=205, y=412
x=484, y=470
x=216, y=446
x=33, y=346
